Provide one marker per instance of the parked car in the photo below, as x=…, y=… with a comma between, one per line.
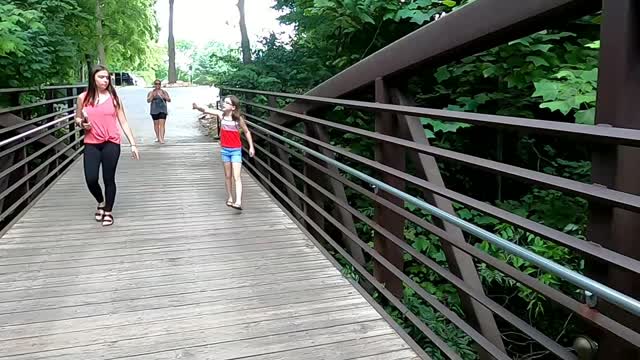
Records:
x=123, y=78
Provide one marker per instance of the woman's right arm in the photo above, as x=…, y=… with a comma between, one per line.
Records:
x=79, y=105
x=150, y=96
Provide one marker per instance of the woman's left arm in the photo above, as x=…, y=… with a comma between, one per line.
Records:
x=124, y=124
x=167, y=98
x=247, y=133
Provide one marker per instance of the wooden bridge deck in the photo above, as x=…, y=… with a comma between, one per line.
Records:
x=179, y=275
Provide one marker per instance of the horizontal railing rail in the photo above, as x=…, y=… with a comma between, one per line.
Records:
x=596, y=134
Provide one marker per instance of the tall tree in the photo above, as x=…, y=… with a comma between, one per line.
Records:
x=172, y=47
x=246, y=46
x=102, y=58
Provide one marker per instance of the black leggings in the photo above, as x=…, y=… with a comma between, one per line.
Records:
x=106, y=154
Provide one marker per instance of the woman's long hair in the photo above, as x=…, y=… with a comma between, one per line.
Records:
x=92, y=91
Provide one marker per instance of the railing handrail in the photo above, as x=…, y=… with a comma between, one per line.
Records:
x=611, y=295
x=41, y=103
x=598, y=134
x=39, y=88
x=34, y=130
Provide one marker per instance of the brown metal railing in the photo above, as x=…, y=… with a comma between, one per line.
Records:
x=37, y=144
x=271, y=166
x=315, y=190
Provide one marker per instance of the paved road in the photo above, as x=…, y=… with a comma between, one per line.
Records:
x=182, y=122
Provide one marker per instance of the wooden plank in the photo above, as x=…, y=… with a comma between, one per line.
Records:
x=179, y=272
x=125, y=254
x=189, y=319
x=394, y=355
x=342, y=350
x=159, y=312
x=57, y=276
x=76, y=308
x=19, y=257
x=285, y=251
x=207, y=341
x=168, y=277
x=160, y=289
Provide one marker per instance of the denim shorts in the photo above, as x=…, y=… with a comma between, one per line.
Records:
x=233, y=155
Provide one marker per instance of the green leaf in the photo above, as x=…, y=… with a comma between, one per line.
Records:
x=421, y=243
x=442, y=74
x=591, y=75
x=449, y=3
x=322, y=3
x=416, y=16
x=541, y=47
x=537, y=61
x=443, y=126
x=584, y=99
x=586, y=117
x=561, y=106
x=366, y=18
x=491, y=70
x=594, y=45
x=546, y=89
x=465, y=214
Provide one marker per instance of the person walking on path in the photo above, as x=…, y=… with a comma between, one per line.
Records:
x=231, y=122
x=99, y=110
x=158, y=98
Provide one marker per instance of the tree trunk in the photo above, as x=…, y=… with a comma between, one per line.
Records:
x=101, y=55
x=246, y=46
x=173, y=77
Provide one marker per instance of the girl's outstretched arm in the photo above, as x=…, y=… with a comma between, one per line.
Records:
x=207, y=111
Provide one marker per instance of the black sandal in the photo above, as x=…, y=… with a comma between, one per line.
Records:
x=107, y=220
x=99, y=213
x=238, y=207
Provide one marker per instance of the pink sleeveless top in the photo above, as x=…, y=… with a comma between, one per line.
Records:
x=104, y=123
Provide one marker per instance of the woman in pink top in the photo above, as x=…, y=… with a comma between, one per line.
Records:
x=99, y=112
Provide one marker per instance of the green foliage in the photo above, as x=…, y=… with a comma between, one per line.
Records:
x=555, y=70
x=130, y=29
x=48, y=41
x=548, y=207
x=38, y=42
x=570, y=90
x=453, y=336
x=214, y=62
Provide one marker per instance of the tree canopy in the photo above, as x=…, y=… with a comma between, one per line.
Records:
x=49, y=41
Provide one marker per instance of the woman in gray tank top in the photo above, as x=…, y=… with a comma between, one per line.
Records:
x=158, y=98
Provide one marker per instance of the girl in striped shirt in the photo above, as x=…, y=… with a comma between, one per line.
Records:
x=231, y=122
